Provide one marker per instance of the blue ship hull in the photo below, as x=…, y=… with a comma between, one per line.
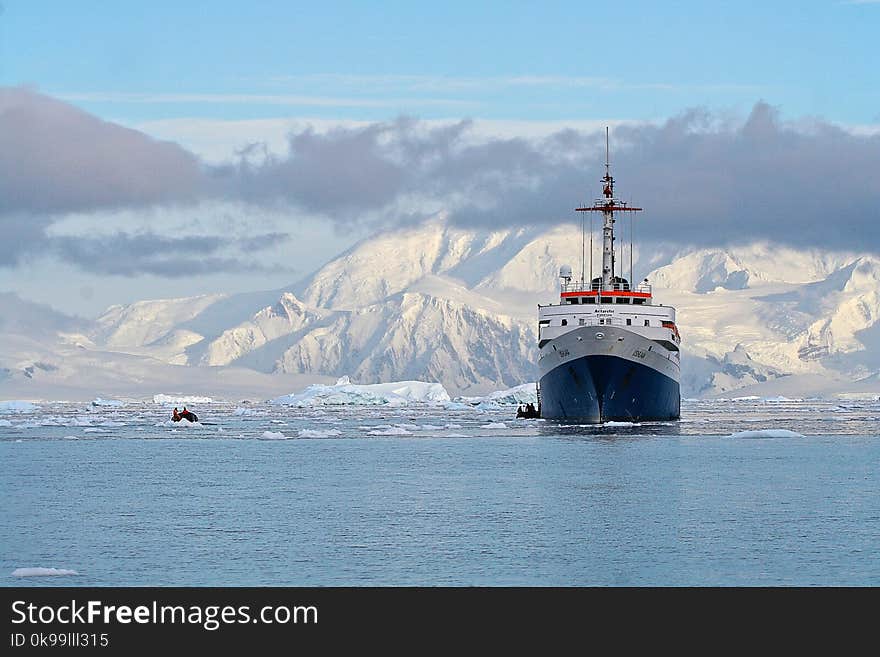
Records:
x=601, y=388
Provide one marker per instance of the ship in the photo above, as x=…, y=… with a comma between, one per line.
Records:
x=606, y=351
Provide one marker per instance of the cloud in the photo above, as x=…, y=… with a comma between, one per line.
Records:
x=703, y=179
x=171, y=257
x=293, y=100
x=57, y=158
x=706, y=182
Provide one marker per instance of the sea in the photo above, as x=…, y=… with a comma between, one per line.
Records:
x=738, y=492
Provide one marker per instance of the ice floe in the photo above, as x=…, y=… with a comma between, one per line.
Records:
x=319, y=433
x=42, y=572
x=273, y=435
x=767, y=433
x=522, y=394
x=111, y=403
x=389, y=431
x=181, y=399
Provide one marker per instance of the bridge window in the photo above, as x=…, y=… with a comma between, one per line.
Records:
x=622, y=300
x=574, y=300
x=638, y=300
x=607, y=300
x=589, y=300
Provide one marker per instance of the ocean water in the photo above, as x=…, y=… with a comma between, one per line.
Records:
x=426, y=495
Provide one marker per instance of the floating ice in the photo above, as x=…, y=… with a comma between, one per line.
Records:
x=112, y=403
x=390, y=431
x=245, y=411
x=5, y=423
x=15, y=406
x=273, y=435
x=767, y=433
x=613, y=423
x=522, y=394
x=319, y=433
x=181, y=400
x=494, y=425
x=345, y=393
x=42, y=572
x=181, y=423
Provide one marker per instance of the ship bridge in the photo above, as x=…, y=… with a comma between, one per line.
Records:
x=619, y=291
x=592, y=304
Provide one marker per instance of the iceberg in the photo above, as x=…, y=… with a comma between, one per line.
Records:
x=181, y=399
x=345, y=393
x=273, y=435
x=522, y=394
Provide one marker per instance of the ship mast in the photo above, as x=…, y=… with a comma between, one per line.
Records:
x=608, y=205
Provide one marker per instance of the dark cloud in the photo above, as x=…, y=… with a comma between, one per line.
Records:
x=171, y=257
x=57, y=158
x=701, y=180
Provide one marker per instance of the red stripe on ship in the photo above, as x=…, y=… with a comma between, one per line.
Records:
x=643, y=295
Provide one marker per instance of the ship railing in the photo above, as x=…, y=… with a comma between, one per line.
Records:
x=579, y=286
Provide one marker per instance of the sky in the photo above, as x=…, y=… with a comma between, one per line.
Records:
x=167, y=149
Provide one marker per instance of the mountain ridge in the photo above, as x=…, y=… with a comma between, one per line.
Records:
x=438, y=302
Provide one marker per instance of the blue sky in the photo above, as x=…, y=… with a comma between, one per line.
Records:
x=140, y=61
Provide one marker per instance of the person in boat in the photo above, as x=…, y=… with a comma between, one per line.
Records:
x=189, y=415
x=520, y=411
x=530, y=411
x=175, y=416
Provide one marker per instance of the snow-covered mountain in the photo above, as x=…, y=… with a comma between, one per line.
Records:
x=437, y=302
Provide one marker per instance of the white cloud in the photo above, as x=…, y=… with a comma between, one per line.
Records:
x=256, y=99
